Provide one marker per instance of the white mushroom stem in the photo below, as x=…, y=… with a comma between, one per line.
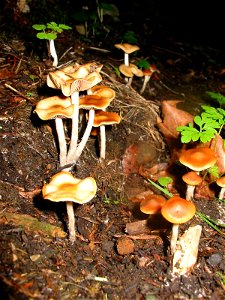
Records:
x=53, y=53
x=71, y=221
x=75, y=129
x=129, y=81
x=174, y=237
x=146, y=80
x=61, y=141
x=190, y=192
x=86, y=135
x=221, y=193
x=126, y=59
x=102, y=142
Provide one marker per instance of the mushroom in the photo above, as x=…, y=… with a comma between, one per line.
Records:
x=56, y=108
x=152, y=204
x=64, y=187
x=198, y=159
x=90, y=102
x=221, y=183
x=127, y=49
x=177, y=211
x=191, y=179
x=130, y=71
x=147, y=73
x=101, y=119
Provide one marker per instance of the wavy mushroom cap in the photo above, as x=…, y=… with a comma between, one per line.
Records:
x=65, y=187
x=198, y=159
x=52, y=107
x=178, y=210
x=127, y=48
x=88, y=82
x=103, y=91
x=94, y=101
x=106, y=118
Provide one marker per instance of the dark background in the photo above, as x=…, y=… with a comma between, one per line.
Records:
x=198, y=22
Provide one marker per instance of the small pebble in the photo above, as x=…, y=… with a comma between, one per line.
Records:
x=125, y=246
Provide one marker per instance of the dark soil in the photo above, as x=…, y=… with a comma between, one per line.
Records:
x=105, y=262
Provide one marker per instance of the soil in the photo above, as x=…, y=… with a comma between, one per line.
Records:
x=106, y=261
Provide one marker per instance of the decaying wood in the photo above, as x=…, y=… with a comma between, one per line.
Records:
x=186, y=253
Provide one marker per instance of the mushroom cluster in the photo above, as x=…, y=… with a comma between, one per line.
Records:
x=92, y=103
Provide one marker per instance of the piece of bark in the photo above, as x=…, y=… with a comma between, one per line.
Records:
x=186, y=253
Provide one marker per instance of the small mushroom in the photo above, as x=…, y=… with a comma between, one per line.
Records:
x=191, y=179
x=64, y=187
x=103, y=118
x=130, y=71
x=221, y=182
x=147, y=73
x=177, y=211
x=127, y=49
x=152, y=204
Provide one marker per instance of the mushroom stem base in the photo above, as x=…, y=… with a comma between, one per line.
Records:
x=71, y=221
x=174, y=237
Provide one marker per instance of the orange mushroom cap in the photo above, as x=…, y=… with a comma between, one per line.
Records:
x=178, y=210
x=221, y=181
x=192, y=178
x=198, y=159
x=152, y=204
x=106, y=118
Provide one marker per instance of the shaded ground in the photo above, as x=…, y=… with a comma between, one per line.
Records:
x=37, y=261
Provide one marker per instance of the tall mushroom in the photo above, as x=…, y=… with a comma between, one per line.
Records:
x=127, y=49
x=63, y=187
x=103, y=118
x=177, y=211
x=57, y=108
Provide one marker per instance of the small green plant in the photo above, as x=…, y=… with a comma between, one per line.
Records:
x=214, y=171
x=130, y=37
x=143, y=64
x=49, y=32
x=160, y=187
x=110, y=201
x=217, y=97
x=209, y=123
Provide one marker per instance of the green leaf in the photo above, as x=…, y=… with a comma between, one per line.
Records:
x=217, y=96
x=198, y=121
x=206, y=137
x=42, y=35
x=165, y=180
x=214, y=171
x=143, y=64
x=39, y=27
x=165, y=191
x=64, y=27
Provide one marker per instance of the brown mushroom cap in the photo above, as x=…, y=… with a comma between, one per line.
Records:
x=198, y=159
x=94, y=101
x=52, y=107
x=126, y=70
x=152, y=204
x=106, y=118
x=64, y=187
x=103, y=91
x=127, y=48
x=221, y=181
x=192, y=178
x=178, y=210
